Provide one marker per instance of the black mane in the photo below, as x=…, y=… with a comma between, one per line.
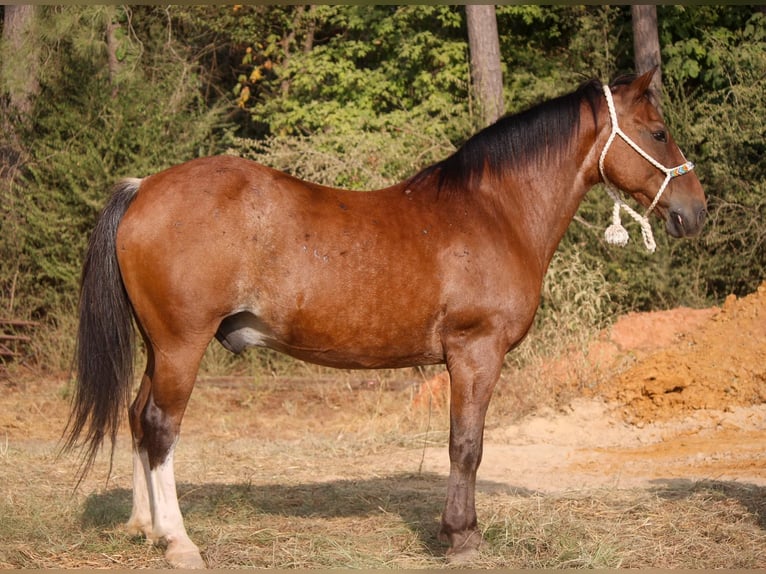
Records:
x=537, y=135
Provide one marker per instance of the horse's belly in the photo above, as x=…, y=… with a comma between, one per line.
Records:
x=349, y=349
x=351, y=358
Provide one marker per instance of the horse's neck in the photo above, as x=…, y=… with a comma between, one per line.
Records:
x=546, y=203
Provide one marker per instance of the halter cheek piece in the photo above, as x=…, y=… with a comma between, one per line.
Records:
x=616, y=234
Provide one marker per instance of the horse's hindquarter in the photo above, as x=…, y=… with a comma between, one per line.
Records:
x=350, y=279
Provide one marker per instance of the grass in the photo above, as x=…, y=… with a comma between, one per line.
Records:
x=390, y=521
x=333, y=481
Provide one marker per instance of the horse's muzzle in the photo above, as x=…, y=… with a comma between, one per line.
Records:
x=686, y=221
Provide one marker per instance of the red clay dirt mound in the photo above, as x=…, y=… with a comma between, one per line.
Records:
x=665, y=364
x=717, y=364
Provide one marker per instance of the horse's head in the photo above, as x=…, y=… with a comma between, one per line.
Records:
x=641, y=158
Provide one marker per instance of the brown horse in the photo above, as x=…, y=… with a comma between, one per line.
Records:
x=445, y=267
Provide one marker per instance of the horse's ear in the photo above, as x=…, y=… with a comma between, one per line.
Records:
x=643, y=83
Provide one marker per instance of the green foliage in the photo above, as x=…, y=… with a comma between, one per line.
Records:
x=360, y=97
x=355, y=160
x=150, y=117
x=689, y=34
x=366, y=67
x=717, y=118
x=722, y=121
x=549, y=50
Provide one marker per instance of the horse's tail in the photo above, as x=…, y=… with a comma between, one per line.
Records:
x=105, y=337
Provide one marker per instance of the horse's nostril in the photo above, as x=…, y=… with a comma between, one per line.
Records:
x=701, y=215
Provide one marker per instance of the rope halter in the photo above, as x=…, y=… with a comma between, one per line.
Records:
x=616, y=234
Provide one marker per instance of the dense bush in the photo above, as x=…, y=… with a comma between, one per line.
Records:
x=724, y=125
x=359, y=97
x=87, y=131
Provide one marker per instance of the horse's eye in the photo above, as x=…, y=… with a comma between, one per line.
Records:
x=660, y=136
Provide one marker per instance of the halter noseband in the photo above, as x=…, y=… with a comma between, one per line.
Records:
x=616, y=233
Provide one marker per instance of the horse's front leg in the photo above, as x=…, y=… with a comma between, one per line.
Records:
x=474, y=368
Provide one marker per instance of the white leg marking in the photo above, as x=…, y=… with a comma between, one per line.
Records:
x=167, y=522
x=140, y=521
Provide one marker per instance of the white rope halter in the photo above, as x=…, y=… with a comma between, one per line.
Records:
x=616, y=234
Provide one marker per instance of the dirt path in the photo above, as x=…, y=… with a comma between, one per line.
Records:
x=658, y=461
x=591, y=447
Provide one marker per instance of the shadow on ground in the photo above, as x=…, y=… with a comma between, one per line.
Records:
x=417, y=498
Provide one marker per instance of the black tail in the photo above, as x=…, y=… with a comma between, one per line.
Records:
x=105, y=337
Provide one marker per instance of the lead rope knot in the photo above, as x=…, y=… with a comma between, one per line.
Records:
x=616, y=234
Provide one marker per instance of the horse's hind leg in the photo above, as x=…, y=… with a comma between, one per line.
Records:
x=155, y=420
x=140, y=521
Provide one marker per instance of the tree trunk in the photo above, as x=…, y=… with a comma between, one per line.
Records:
x=112, y=46
x=19, y=85
x=19, y=65
x=308, y=42
x=287, y=44
x=646, y=42
x=486, y=72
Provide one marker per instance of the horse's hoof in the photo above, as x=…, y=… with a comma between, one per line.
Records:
x=186, y=558
x=464, y=547
x=136, y=528
x=462, y=556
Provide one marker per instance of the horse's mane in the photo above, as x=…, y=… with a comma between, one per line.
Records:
x=540, y=134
